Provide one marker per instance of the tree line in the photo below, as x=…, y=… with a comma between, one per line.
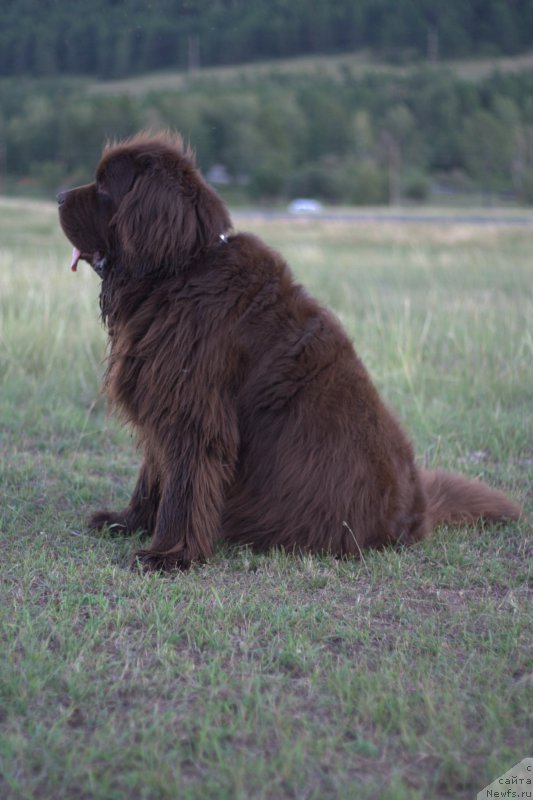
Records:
x=115, y=38
x=344, y=139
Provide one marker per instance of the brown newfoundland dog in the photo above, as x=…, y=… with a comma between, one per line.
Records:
x=257, y=420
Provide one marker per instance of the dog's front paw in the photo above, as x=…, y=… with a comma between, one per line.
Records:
x=113, y=520
x=151, y=561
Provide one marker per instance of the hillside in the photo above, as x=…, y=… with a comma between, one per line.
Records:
x=357, y=65
x=344, y=129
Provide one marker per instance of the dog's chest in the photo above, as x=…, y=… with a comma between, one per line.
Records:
x=157, y=373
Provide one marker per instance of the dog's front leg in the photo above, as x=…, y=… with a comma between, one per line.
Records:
x=140, y=513
x=193, y=490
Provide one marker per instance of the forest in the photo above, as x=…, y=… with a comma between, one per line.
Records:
x=112, y=38
x=376, y=138
x=407, y=128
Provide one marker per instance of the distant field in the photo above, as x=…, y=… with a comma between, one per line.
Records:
x=325, y=66
x=408, y=674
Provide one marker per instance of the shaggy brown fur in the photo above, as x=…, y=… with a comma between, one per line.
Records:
x=258, y=422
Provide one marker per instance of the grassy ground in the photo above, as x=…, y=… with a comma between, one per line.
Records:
x=406, y=675
x=359, y=64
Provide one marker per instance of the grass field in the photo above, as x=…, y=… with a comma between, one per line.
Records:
x=408, y=674
x=358, y=64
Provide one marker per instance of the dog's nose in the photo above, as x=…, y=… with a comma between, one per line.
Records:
x=60, y=197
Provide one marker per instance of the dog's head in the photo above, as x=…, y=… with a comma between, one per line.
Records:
x=149, y=208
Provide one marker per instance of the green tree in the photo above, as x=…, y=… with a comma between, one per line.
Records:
x=522, y=167
x=487, y=144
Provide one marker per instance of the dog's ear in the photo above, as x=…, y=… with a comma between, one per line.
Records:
x=168, y=216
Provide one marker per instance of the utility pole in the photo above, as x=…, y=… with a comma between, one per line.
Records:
x=433, y=44
x=3, y=162
x=193, y=54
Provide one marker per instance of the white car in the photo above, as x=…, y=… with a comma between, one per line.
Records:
x=305, y=206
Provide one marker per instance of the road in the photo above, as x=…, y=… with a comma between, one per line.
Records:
x=517, y=220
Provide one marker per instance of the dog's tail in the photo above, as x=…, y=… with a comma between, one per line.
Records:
x=453, y=498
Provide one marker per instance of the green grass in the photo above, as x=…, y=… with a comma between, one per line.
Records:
x=405, y=675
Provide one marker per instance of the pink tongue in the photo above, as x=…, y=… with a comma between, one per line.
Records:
x=76, y=255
